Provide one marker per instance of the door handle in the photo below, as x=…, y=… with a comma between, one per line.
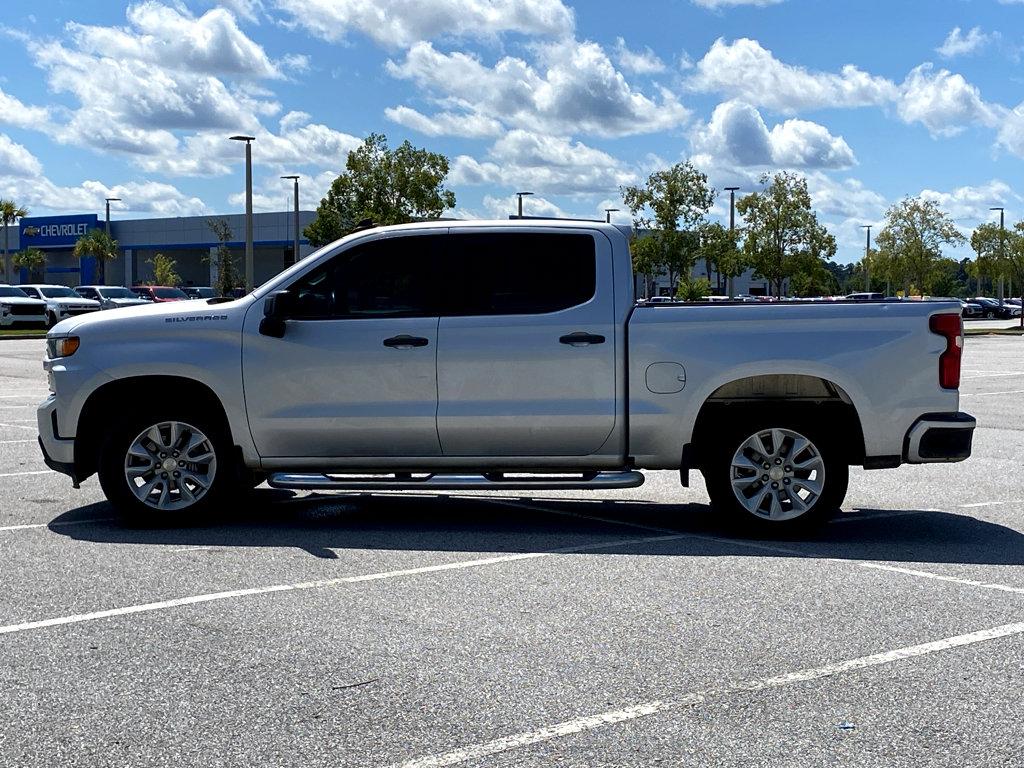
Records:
x=406, y=342
x=581, y=339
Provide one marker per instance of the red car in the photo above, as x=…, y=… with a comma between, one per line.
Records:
x=160, y=293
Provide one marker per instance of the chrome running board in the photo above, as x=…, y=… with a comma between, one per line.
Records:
x=624, y=479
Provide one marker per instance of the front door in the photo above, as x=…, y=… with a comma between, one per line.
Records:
x=354, y=374
x=526, y=344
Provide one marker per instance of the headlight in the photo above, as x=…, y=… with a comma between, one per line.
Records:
x=61, y=346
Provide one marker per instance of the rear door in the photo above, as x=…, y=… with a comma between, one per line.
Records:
x=526, y=344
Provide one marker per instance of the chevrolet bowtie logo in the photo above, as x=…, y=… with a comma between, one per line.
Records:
x=30, y=232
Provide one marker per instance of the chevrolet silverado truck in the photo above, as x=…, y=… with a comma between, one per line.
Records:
x=496, y=355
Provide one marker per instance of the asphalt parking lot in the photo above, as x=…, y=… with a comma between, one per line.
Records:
x=622, y=628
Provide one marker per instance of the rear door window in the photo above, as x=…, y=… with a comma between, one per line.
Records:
x=517, y=273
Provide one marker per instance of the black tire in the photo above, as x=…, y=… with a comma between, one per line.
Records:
x=990, y=315
x=717, y=470
x=51, y=320
x=133, y=511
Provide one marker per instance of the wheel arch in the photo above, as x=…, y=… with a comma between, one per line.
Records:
x=733, y=401
x=114, y=395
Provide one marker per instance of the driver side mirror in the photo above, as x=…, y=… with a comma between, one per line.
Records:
x=277, y=308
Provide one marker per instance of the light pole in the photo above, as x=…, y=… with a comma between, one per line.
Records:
x=249, y=267
x=521, y=195
x=295, y=247
x=867, y=253
x=608, y=214
x=1002, y=240
x=732, y=231
x=106, y=221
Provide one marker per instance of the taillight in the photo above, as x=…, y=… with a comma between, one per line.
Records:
x=951, y=326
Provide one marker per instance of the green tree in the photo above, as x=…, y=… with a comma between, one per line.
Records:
x=915, y=231
x=1013, y=260
x=228, y=274
x=164, y=272
x=96, y=242
x=985, y=241
x=670, y=206
x=782, y=235
x=388, y=186
x=31, y=259
x=10, y=212
x=719, y=247
x=693, y=289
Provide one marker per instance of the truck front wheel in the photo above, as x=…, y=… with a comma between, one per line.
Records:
x=776, y=476
x=165, y=469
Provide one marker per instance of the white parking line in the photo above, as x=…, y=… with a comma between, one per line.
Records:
x=589, y=723
x=26, y=440
x=207, y=597
x=993, y=504
x=994, y=376
x=942, y=577
x=1002, y=392
x=20, y=526
x=23, y=427
x=30, y=472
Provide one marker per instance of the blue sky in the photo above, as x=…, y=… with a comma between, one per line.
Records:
x=870, y=100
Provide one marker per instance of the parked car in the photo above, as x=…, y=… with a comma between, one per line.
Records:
x=866, y=296
x=992, y=309
x=61, y=301
x=199, y=292
x=367, y=368
x=110, y=297
x=160, y=294
x=18, y=308
x=971, y=309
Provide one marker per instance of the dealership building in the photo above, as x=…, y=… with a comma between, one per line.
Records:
x=186, y=239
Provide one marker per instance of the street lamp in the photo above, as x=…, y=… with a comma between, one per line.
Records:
x=108, y=201
x=608, y=214
x=732, y=231
x=1002, y=255
x=521, y=195
x=295, y=247
x=867, y=253
x=249, y=268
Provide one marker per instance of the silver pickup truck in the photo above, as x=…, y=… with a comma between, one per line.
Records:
x=496, y=355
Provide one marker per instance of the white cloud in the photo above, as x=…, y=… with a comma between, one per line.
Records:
x=14, y=112
x=645, y=62
x=971, y=203
x=42, y=195
x=579, y=90
x=468, y=124
x=959, y=44
x=17, y=161
x=171, y=37
x=542, y=163
x=737, y=135
x=943, y=102
x=400, y=23
x=1011, y=130
x=746, y=70
x=535, y=205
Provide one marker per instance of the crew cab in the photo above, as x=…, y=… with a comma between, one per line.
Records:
x=61, y=301
x=111, y=297
x=497, y=355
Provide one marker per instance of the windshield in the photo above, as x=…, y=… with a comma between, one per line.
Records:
x=119, y=293
x=170, y=293
x=12, y=291
x=54, y=293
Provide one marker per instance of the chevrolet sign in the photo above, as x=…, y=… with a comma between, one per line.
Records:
x=55, y=231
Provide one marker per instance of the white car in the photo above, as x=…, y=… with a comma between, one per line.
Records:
x=18, y=307
x=61, y=301
x=111, y=297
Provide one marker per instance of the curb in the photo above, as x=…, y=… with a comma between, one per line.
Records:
x=27, y=335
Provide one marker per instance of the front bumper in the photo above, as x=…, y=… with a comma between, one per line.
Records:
x=58, y=452
x=939, y=438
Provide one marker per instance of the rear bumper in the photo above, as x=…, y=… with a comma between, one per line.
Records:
x=939, y=438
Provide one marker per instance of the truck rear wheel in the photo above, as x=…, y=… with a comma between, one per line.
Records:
x=165, y=469
x=777, y=475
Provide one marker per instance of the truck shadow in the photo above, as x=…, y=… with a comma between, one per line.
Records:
x=327, y=525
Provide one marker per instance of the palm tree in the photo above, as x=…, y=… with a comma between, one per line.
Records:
x=9, y=213
x=98, y=243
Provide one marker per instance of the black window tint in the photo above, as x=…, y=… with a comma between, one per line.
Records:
x=518, y=273
x=390, y=277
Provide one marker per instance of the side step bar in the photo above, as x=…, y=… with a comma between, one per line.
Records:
x=625, y=479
